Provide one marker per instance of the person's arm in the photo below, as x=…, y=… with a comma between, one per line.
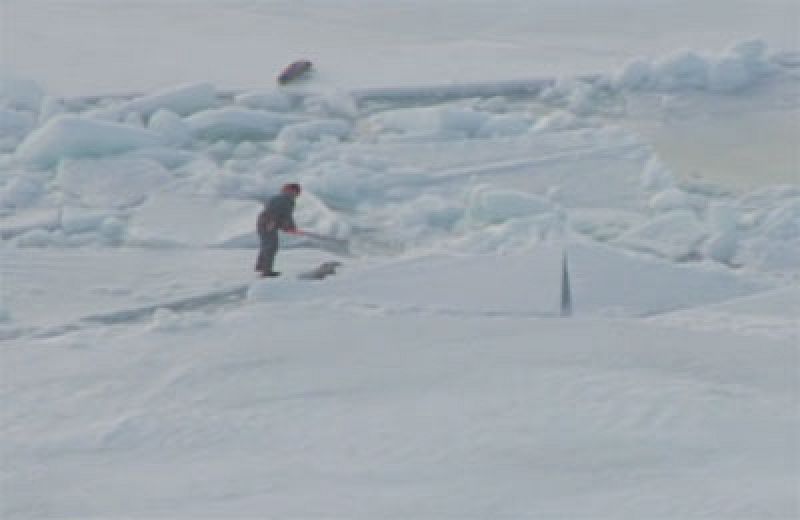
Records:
x=285, y=219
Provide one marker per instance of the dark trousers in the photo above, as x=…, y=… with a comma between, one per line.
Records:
x=266, y=255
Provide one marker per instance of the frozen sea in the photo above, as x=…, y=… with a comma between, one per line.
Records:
x=471, y=156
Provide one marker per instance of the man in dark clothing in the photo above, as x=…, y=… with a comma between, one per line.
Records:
x=277, y=215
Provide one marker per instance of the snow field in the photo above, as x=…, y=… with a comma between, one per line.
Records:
x=547, y=417
x=147, y=372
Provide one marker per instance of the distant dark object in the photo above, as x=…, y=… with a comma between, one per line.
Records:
x=325, y=269
x=566, y=293
x=294, y=71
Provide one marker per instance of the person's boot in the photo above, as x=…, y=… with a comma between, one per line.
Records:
x=270, y=274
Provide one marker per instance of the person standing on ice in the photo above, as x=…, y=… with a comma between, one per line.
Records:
x=277, y=215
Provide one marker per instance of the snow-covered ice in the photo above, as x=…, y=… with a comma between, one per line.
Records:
x=147, y=372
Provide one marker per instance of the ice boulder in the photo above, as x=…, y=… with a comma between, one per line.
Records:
x=504, y=125
x=295, y=140
x=722, y=217
x=742, y=66
x=332, y=103
x=70, y=136
x=20, y=94
x=169, y=220
x=50, y=108
x=41, y=238
x=675, y=235
x=446, y=121
x=174, y=130
x=246, y=150
x=736, y=69
x=275, y=165
x=557, y=121
x=770, y=255
x=316, y=130
x=493, y=206
x=167, y=156
x=774, y=243
x=21, y=191
x=721, y=247
x=180, y=99
x=236, y=124
x=656, y=176
x=80, y=220
x=670, y=199
x=29, y=220
x=683, y=70
x=15, y=123
x=783, y=223
x=729, y=75
x=273, y=100
x=635, y=75
x=111, y=232
x=111, y=183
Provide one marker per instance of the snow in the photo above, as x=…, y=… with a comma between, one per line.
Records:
x=148, y=372
x=603, y=282
x=217, y=429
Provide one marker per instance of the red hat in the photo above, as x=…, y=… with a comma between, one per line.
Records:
x=291, y=187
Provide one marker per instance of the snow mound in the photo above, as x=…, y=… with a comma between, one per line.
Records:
x=111, y=183
x=180, y=99
x=167, y=321
x=70, y=136
x=772, y=314
x=604, y=281
x=108, y=283
x=236, y=124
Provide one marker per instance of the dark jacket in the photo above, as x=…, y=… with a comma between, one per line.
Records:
x=277, y=214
